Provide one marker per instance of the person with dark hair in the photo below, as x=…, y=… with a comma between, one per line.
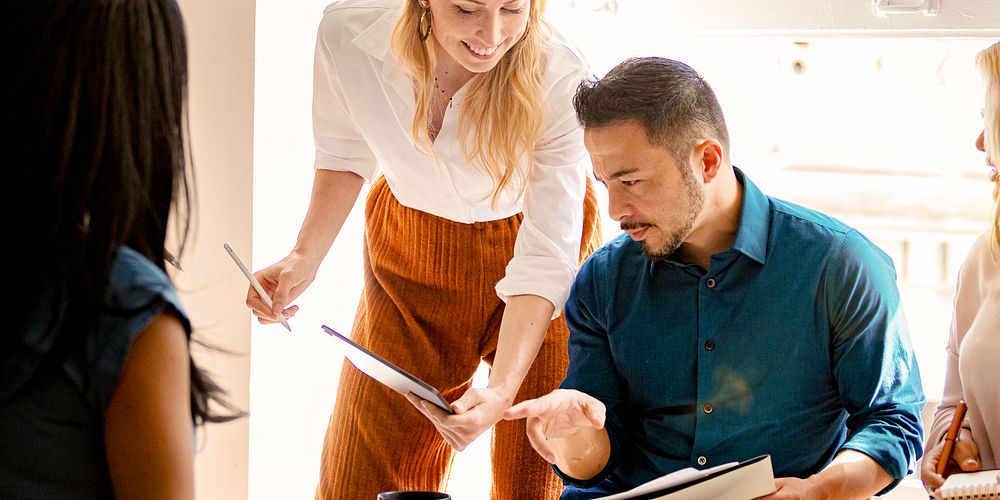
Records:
x=98, y=391
x=725, y=324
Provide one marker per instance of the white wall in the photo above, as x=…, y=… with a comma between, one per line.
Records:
x=221, y=44
x=294, y=376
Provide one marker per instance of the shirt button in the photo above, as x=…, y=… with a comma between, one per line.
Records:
x=710, y=283
x=702, y=460
x=708, y=408
x=709, y=345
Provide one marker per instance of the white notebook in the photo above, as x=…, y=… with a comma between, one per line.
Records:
x=971, y=485
x=733, y=481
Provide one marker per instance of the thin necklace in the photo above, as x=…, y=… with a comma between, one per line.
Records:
x=438, y=86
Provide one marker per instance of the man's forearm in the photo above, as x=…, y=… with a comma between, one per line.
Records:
x=851, y=474
x=583, y=454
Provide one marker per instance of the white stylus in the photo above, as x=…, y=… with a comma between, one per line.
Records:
x=253, y=281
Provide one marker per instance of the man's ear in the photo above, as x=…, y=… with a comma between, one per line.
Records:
x=707, y=154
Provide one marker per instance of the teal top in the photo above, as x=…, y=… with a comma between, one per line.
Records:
x=52, y=427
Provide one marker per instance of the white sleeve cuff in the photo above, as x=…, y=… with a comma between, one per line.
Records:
x=546, y=277
x=365, y=165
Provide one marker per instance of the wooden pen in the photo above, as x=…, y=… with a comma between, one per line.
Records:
x=949, y=439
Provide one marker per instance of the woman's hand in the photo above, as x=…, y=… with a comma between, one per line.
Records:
x=964, y=458
x=284, y=282
x=525, y=320
x=333, y=196
x=475, y=412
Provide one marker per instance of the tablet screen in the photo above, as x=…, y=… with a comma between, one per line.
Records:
x=392, y=376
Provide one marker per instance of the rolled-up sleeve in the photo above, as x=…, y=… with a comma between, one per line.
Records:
x=876, y=370
x=339, y=144
x=546, y=253
x=591, y=367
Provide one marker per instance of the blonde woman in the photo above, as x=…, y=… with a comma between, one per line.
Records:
x=473, y=232
x=974, y=344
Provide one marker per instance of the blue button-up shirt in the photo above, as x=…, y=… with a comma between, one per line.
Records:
x=793, y=343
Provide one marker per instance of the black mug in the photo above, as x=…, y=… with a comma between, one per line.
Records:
x=413, y=495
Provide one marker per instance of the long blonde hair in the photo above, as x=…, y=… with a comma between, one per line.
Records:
x=989, y=63
x=501, y=117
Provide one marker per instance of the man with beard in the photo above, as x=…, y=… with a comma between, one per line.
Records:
x=725, y=324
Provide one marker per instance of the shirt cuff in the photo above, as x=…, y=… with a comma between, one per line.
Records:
x=886, y=456
x=546, y=277
x=364, y=166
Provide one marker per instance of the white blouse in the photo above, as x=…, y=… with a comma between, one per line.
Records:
x=363, y=108
x=974, y=354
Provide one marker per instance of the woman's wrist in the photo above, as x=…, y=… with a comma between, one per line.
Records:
x=308, y=256
x=507, y=389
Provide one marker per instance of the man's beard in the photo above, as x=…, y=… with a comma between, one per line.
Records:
x=696, y=200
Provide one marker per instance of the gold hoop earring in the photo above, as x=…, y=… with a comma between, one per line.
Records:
x=425, y=16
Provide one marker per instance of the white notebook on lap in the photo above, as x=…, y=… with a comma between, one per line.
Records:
x=733, y=481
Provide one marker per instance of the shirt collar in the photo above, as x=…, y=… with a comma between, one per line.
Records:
x=755, y=223
x=374, y=39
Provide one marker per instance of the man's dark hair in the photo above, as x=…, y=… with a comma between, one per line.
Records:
x=672, y=102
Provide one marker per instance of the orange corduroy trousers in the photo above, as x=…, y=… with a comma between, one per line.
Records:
x=429, y=306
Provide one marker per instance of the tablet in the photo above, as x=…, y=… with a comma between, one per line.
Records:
x=392, y=376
